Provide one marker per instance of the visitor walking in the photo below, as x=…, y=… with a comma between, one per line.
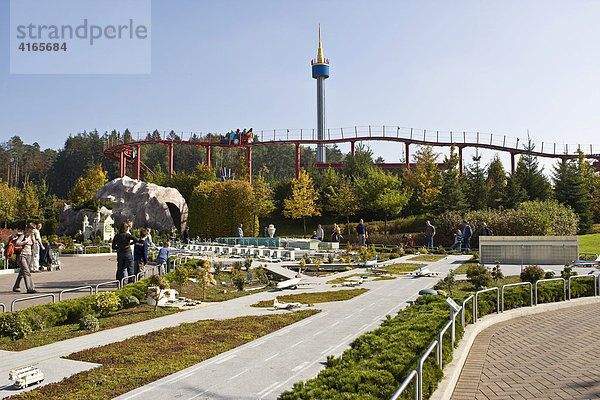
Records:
x=24, y=259
x=457, y=240
x=122, y=244
x=429, y=234
x=486, y=231
x=186, y=235
x=162, y=260
x=320, y=232
x=173, y=237
x=140, y=253
x=467, y=232
x=361, y=231
x=240, y=231
x=336, y=233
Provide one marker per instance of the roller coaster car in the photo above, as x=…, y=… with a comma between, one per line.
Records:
x=237, y=137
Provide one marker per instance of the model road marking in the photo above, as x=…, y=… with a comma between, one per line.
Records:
x=317, y=333
x=272, y=357
x=222, y=360
x=253, y=345
x=271, y=386
x=236, y=375
x=348, y=316
x=296, y=344
x=301, y=366
x=335, y=323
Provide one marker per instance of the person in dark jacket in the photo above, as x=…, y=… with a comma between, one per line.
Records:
x=122, y=244
x=361, y=231
x=186, y=235
x=140, y=253
x=467, y=232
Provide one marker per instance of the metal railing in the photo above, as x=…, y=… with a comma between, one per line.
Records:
x=518, y=284
x=128, y=277
x=37, y=296
x=477, y=293
x=584, y=276
x=463, y=307
x=431, y=347
x=551, y=280
x=108, y=283
x=412, y=376
x=74, y=290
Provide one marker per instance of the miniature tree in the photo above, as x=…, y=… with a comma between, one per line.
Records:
x=181, y=276
x=156, y=285
x=205, y=278
x=497, y=272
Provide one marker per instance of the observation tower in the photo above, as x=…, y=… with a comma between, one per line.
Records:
x=320, y=72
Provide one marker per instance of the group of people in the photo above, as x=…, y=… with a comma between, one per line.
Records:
x=131, y=264
x=462, y=237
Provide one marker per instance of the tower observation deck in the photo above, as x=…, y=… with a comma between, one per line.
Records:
x=320, y=72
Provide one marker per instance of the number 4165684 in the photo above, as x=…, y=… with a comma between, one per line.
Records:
x=43, y=46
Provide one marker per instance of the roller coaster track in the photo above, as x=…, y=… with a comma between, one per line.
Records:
x=117, y=149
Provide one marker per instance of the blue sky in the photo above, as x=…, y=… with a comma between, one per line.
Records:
x=491, y=66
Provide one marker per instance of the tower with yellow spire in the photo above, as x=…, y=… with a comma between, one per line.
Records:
x=320, y=72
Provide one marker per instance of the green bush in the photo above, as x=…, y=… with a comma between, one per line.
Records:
x=89, y=323
x=479, y=276
x=107, y=302
x=378, y=361
x=14, y=325
x=130, y=302
x=532, y=273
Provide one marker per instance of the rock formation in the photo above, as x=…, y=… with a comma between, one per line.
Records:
x=146, y=204
x=71, y=221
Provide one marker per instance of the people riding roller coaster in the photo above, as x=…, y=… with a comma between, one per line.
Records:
x=238, y=137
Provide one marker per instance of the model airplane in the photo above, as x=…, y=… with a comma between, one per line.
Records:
x=371, y=264
x=588, y=263
x=424, y=272
x=285, y=306
x=290, y=283
x=352, y=283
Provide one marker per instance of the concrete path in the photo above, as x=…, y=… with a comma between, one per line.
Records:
x=553, y=355
x=267, y=366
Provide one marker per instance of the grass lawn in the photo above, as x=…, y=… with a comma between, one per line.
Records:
x=213, y=293
x=312, y=298
x=428, y=257
x=402, y=268
x=63, y=332
x=589, y=243
x=143, y=359
x=463, y=268
x=343, y=279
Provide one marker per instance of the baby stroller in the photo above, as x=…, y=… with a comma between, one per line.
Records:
x=49, y=259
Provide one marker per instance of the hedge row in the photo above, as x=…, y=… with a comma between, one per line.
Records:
x=67, y=311
x=378, y=361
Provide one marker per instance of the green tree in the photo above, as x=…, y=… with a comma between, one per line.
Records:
x=496, y=180
x=531, y=177
x=477, y=184
x=302, y=202
x=514, y=193
x=569, y=189
x=391, y=202
x=359, y=164
x=86, y=187
x=342, y=200
x=452, y=191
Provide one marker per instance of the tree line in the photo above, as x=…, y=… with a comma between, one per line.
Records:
x=52, y=177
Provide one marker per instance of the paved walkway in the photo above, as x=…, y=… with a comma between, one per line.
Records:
x=553, y=355
x=262, y=368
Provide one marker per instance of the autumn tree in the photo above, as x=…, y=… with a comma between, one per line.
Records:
x=302, y=202
x=423, y=180
x=28, y=205
x=263, y=202
x=343, y=201
x=86, y=186
x=8, y=205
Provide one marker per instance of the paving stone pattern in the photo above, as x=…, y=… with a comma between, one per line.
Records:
x=554, y=355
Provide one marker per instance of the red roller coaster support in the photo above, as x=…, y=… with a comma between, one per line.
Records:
x=171, y=160
x=250, y=164
x=352, y=148
x=208, y=156
x=407, y=153
x=137, y=162
x=460, y=161
x=297, y=160
x=512, y=162
x=122, y=162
